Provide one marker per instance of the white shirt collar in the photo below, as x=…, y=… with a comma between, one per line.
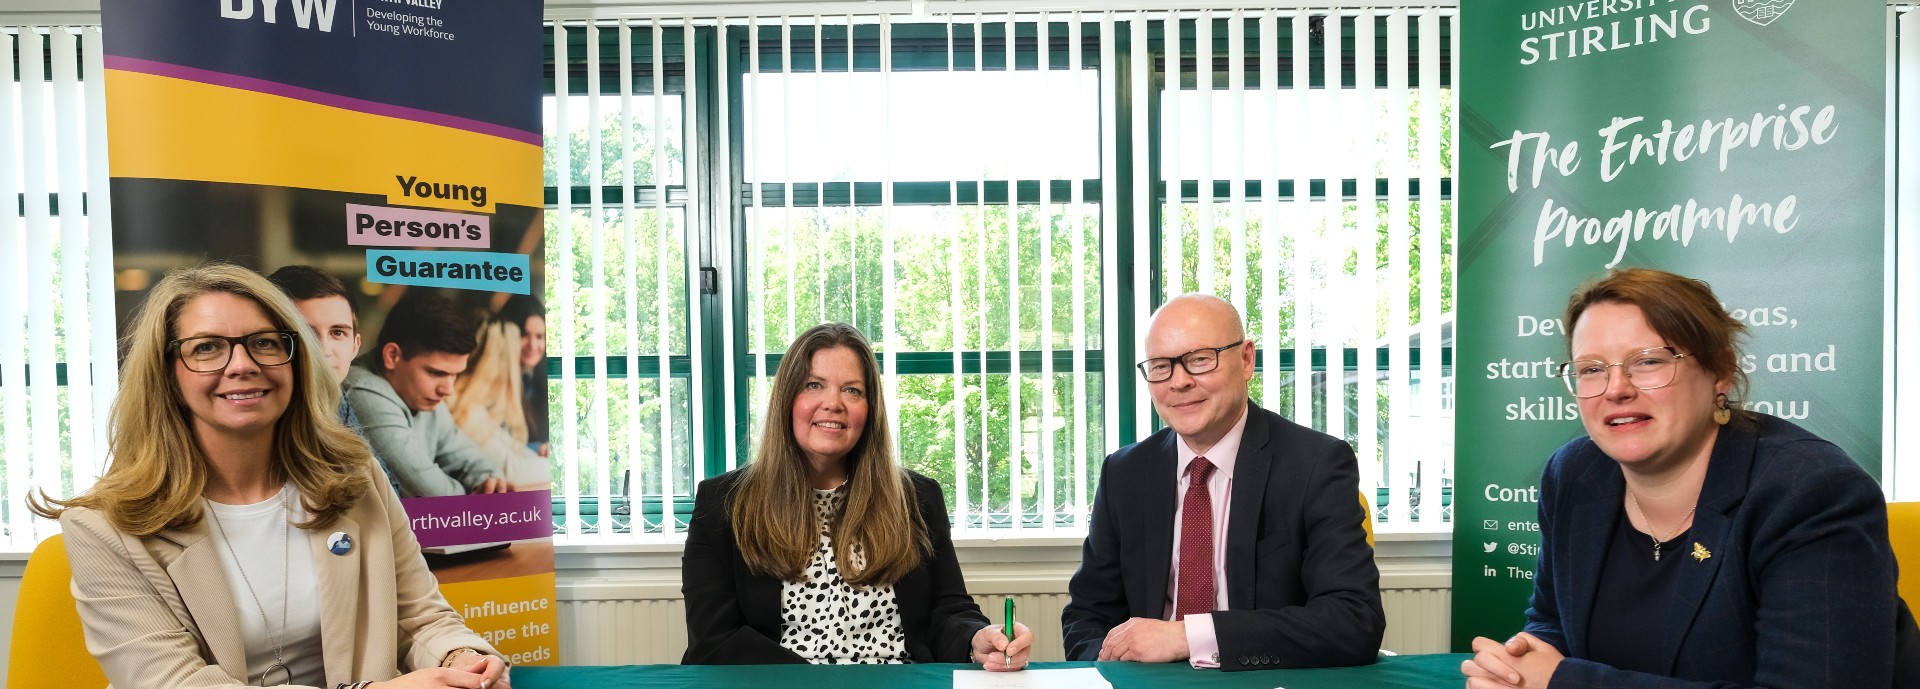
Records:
x=1222, y=455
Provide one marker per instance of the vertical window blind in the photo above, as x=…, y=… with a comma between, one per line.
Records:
x=1307, y=167
x=58, y=364
x=903, y=179
x=620, y=231
x=999, y=201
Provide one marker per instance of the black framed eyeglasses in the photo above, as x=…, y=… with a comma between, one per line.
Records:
x=1648, y=369
x=209, y=353
x=1196, y=362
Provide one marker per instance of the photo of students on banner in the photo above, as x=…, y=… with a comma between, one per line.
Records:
x=490, y=401
x=435, y=379
x=472, y=442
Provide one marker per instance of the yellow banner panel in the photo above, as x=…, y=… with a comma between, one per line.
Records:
x=518, y=615
x=167, y=128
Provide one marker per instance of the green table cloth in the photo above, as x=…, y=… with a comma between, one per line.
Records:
x=1399, y=672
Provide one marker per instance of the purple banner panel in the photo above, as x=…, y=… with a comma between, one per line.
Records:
x=414, y=227
x=494, y=518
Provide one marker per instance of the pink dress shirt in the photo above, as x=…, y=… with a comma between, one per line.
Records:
x=1203, y=647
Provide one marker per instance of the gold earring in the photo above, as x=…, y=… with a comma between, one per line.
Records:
x=1722, y=411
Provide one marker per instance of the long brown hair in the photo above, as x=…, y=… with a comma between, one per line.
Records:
x=772, y=508
x=158, y=471
x=1680, y=309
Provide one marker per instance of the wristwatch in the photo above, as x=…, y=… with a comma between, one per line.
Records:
x=456, y=653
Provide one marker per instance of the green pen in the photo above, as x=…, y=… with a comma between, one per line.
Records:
x=1009, y=625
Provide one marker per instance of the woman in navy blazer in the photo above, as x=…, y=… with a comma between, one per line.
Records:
x=1687, y=543
x=823, y=549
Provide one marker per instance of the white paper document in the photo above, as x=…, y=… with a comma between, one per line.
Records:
x=1074, y=678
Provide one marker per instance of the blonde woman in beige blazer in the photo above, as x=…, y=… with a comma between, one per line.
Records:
x=220, y=413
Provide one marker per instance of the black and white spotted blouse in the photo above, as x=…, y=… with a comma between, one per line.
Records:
x=829, y=622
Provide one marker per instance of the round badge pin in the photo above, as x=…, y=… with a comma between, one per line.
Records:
x=340, y=543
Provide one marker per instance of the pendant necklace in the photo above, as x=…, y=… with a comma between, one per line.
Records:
x=279, y=651
x=1643, y=518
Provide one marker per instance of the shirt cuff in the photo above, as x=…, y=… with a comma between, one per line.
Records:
x=1203, y=649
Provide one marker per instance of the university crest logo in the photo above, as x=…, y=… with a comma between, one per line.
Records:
x=1761, y=12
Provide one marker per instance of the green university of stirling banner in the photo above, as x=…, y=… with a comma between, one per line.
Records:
x=1741, y=142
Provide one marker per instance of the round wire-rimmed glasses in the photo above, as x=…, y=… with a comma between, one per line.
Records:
x=209, y=353
x=1648, y=369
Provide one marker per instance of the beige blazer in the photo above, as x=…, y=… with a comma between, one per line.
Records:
x=158, y=611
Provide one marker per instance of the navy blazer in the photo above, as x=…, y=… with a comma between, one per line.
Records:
x=1302, y=588
x=733, y=613
x=1795, y=588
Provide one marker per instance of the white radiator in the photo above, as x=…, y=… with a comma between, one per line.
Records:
x=601, y=629
x=1418, y=620
x=623, y=632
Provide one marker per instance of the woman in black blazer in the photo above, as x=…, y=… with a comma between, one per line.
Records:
x=823, y=550
x=1689, y=543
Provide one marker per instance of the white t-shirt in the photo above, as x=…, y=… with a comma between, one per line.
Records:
x=258, y=531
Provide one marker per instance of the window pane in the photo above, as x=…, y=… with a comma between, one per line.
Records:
x=944, y=125
x=638, y=311
x=633, y=444
x=825, y=265
x=581, y=131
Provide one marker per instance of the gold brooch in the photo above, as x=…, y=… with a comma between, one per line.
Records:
x=1700, y=553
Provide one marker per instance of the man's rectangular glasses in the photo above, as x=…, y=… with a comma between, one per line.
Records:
x=1195, y=362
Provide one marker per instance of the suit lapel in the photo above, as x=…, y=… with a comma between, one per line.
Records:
x=338, y=577
x=1250, y=469
x=1157, y=509
x=201, y=578
x=1590, y=527
x=1725, y=486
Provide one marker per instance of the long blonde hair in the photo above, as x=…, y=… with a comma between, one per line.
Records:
x=772, y=508
x=487, y=394
x=159, y=471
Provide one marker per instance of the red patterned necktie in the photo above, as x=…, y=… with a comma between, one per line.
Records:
x=1196, y=544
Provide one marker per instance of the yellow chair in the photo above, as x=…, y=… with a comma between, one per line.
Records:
x=1903, y=526
x=1368, y=522
x=48, y=649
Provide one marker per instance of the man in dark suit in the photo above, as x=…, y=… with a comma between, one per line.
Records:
x=1231, y=538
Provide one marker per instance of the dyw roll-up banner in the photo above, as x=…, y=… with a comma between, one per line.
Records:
x=1741, y=142
x=393, y=146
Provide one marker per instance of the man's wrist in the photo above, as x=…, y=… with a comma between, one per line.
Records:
x=1202, y=646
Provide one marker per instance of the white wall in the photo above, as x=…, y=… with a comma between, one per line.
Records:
x=10, y=566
